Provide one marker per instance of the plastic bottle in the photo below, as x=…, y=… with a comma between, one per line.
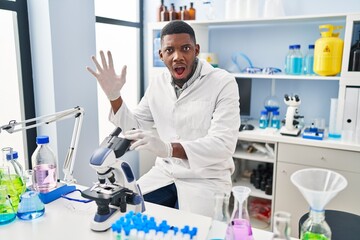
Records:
x=263, y=121
x=192, y=11
x=275, y=121
x=44, y=166
x=309, y=61
x=296, y=61
x=287, y=59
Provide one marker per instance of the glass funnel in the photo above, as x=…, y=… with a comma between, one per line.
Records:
x=7, y=212
x=318, y=186
x=239, y=226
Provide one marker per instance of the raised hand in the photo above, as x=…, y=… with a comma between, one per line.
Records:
x=110, y=82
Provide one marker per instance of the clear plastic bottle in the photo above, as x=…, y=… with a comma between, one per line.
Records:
x=309, y=61
x=296, y=60
x=275, y=121
x=263, y=121
x=287, y=59
x=44, y=166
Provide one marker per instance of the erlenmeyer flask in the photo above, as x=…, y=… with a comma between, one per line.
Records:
x=315, y=227
x=5, y=179
x=240, y=227
x=7, y=212
x=30, y=206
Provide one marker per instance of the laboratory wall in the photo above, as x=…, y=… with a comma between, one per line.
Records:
x=227, y=41
x=62, y=35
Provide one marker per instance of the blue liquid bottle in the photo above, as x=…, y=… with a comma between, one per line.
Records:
x=263, y=121
x=287, y=59
x=275, y=121
x=296, y=61
x=309, y=61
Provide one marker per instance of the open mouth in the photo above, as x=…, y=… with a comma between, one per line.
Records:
x=179, y=71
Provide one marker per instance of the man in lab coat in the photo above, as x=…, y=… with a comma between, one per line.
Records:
x=195, y=110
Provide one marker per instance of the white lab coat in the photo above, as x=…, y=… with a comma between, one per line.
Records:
x=205, y=119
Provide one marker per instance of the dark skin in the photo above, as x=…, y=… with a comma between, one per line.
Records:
x=178, y=52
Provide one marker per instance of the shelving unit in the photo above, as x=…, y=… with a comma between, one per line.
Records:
x=345, y=79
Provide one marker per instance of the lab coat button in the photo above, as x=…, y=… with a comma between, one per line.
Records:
x=177, y=137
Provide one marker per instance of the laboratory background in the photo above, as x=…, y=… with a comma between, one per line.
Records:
x=293, y=113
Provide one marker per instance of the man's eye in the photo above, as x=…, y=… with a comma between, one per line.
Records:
x=187, y=48
x=169, y=50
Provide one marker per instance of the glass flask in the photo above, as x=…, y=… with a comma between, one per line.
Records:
x=7, y=212
x=239, y=226
x=315, y=227
x=6, y=180
x=10, y=159
x=281, y=226
x=30, y=206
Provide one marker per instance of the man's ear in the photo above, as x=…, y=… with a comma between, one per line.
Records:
x=160, y=54
x=197, y=49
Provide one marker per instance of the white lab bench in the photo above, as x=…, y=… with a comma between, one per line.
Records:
x=65, y=219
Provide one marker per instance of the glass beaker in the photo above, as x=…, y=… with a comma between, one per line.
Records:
x=30, y=206
x=7, y=212
x=6, y=180
x=281, y=226
x=221, y=210
x=240, y=227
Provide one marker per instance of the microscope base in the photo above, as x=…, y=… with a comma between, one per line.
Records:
x=295, y=132
x=105, y=225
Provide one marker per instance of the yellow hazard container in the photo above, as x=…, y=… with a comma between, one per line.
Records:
x=328, y=51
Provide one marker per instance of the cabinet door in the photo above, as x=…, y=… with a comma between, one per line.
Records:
x=289, y=199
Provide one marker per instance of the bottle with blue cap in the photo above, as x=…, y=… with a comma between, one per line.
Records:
x=275, y=120
x=309, y=61
x=263, y=121
x=44, y=166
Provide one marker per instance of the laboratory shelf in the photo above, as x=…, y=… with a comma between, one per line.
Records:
x=255, y=156
x=254, y=192
x=284, y=76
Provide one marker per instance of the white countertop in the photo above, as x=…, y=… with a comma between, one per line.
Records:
x=273, y=135
x=70, y=220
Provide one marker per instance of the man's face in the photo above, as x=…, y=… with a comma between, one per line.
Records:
x=179, y=52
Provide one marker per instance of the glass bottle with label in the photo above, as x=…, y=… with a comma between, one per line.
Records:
x=44, y=166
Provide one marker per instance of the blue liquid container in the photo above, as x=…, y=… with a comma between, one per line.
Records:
x=309, y=61
x=263, y=121
x=296, y=61
x=275, y=121
x=30, y=206
x=287, y=59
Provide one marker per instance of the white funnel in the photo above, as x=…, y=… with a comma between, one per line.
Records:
x=318, y=186
x=241, y=193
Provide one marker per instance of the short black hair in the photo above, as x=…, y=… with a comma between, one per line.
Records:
x=176, y=27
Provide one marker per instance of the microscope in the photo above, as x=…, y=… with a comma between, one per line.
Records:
x=292, y=125
x=116, y=188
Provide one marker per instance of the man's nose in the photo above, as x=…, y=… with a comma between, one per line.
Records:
x=178, y=56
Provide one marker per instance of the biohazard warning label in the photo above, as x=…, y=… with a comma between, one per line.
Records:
x=326, y=49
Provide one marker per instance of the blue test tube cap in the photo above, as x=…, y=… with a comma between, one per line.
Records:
x=12, y=155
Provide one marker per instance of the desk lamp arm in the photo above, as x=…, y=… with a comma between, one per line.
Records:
x=14, y=126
